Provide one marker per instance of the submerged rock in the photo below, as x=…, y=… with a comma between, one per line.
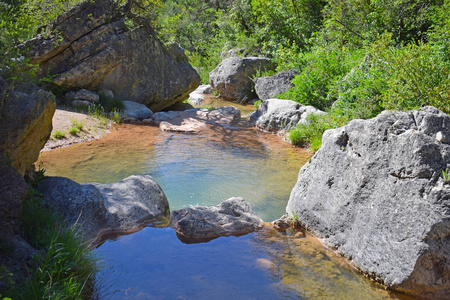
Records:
x=274, y=115
x=102, y=208
x=271, y=86
x=375, y=193
x=232, y=78
x=200, y=224
x=92, y=47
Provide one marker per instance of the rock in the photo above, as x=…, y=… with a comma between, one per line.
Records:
x=375, y=193
x=200, y=224
x=232, y=53
x=81, y=103
x=179, y=106
x=92, y=47
x=101, y=208
x=13, y=190
x=282, y=223
x=136, y=110
x=232, y=78
x=270, y=86
x=25, y=126
x=196, y=99
x=203, y=89
x=194, y=119
x=107, y=93
x=274, y=115
x=83, y=95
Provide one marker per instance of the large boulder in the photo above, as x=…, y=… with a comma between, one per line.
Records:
x=200, y=224
x=102, y=208
x=92, y=47
x=270, y=86
x=232, y=78
x=25, y=125
x=275, y=115
x=375, y=192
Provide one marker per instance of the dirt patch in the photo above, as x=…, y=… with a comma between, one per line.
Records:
x=84, y=127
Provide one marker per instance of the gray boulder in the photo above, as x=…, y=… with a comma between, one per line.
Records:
x=83, y=95
x=82, y=103
x=136, y=110
x=25, y=125
x=270, y=86
x=102, y=208
x=200, y=224
x=375, y=193
x=232, y=78
x=92, y=47
x=274, y=115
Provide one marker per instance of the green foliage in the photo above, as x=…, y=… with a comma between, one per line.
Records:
x=77, y=124
x=65, y=267
x=58, y=134
x=73, y=131
x=257, y=103
x=311, y=132
x=446, y=175
x=110, y=104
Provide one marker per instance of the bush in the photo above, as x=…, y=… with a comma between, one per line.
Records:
x=73, y=131
x=311, y=132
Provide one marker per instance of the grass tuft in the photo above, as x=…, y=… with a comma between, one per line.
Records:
x=58, y=134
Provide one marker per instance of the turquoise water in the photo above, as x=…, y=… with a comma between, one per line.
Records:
x=205, y=169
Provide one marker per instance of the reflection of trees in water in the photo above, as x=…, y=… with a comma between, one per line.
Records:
x=299, y=262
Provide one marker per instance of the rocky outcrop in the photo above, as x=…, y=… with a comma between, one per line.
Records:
x=194, y=120
x=375, y=192
x=274, y=115
x=197, y=97
x=270, y=86
x=102, y=208
x=25, y=125
x=232, y=78
x=92, y=47
x=200, y=224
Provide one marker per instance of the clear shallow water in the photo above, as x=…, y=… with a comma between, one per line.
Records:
x=205, y=169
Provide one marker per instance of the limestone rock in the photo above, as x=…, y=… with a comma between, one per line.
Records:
x=199, y=224
x=270, y=86
x=83, y=95
x=374, y=192
x=25, y=126
x=91, y=47
x=232, y=78
x=195, y=119
x=204, y=89
x=102, y=208
x=136, y=110
x=274, y=115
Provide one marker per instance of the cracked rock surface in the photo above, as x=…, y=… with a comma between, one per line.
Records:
x=92, y=47
x=375, y=193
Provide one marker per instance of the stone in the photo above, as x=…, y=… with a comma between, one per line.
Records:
x=270, y=86
x=374, y=192
x=81, y=103
x=13, y=190
x=92, y=47
x=83, y=95
x=274, y=115
x=203, y=89
x=106, y=93
x=136, y=110
x=194, y=120
x=25, y=126
x=99, y=209
x=200, y=224
x=196, y=99
x=232, y=78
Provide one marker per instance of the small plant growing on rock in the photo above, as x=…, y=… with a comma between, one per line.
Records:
x=58, y=134
x=257, y=103
x=446, y=176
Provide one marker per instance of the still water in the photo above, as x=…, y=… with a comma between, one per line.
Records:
x=205, y=169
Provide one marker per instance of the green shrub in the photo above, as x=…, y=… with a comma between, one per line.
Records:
x=58, y=134
x=311, y=132
x=110, y=103
x=73, y=131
